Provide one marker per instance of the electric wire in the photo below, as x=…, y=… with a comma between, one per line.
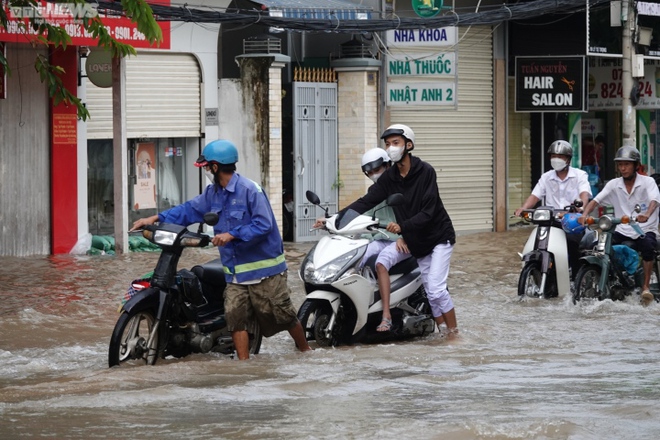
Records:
x=463, y=17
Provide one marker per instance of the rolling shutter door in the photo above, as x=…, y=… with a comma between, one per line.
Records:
x=459, y=143
x=163, y=98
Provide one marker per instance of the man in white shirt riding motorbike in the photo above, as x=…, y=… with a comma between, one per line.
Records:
x=624, y=193
x=560, y=187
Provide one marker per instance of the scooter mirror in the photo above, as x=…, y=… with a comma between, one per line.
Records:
x=396, y=199
x=638, y=208
x=312, y=198
x=578, y=203
x=211, y=218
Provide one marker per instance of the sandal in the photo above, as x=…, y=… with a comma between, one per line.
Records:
x=385, y=325
x=646, y=298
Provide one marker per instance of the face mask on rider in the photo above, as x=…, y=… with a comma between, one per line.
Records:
x=374, y=177
x=395, y=153
x=558, y=164
x=209, y=175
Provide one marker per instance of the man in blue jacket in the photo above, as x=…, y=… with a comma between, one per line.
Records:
x=250, y=247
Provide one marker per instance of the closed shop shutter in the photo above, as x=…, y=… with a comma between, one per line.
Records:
x=459, y=142
x=163, y=98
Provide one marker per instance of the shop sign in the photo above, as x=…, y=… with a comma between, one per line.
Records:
x=438, y=93
x=144, y=190
x=70, y=16
x=423, y=64
x=606, y=89
x=98, y=67
x=550, y=84
x=439, y=37
x=427, y=8
x=211, y=117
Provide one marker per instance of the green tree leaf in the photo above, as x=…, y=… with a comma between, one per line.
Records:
x=53, y=34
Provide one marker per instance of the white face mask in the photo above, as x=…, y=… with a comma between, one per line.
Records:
x=375, y=177
x=395, y=153
x=558, y=164
x=209, y=175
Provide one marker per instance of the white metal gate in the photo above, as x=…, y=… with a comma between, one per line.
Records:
x=315, y=153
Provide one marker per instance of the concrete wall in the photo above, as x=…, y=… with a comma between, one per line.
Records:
x=357, y=119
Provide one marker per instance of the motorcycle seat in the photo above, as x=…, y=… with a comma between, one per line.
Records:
x=631, y=244
x=405, y=266
x=212, y=273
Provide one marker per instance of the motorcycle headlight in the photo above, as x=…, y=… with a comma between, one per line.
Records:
x=328, y=273
x=605, y=223
x=541, y=215
x=165, y=238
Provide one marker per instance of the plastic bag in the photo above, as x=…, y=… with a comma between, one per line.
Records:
x=625, y=258
x=83, y=244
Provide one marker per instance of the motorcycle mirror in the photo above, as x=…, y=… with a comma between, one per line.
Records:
x=312, y=198
x=638, y=208
x=396, y=199
x=578, y=203
x=211, y=218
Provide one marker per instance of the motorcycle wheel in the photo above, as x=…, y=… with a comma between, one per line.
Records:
x=255, y=341
x=314, y=315
x=130, y=337
x=586, y=283
x=529, y=283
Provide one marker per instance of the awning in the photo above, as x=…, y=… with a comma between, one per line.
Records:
x=316, y=9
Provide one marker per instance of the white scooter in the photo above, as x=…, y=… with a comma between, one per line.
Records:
x=343, y=304
x=545, y=270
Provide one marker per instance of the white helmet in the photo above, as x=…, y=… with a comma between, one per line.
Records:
x=373, y=159
x=401, y=130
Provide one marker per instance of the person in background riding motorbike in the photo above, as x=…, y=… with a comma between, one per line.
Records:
x=374, y=163
x=250, y=246
x=560, y=187
x=422, y=221
x=624, y=193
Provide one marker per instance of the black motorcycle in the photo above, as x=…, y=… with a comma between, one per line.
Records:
x=612, y=271
x=180, y=311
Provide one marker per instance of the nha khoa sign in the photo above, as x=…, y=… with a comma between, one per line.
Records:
x=550, y=84
x=421, y=67
x=439, y=37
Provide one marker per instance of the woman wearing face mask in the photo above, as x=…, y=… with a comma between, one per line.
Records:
x=560, y=187
x=374, y=163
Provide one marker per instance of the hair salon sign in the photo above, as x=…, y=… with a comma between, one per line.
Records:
x=550, y=84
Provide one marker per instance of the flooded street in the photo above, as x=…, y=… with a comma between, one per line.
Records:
x=543, y=369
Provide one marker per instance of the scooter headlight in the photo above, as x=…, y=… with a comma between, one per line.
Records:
x=605, y=223
x=328, y=273
x=542, y=215
x=165, y=238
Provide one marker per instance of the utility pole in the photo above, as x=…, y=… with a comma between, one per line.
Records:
x=629, y=114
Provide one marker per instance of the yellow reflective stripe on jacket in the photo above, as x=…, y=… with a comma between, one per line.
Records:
x=262, y=264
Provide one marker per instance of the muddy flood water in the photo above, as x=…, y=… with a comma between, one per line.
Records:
x=542, y=369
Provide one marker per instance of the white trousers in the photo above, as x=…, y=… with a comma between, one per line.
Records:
x=435, y=269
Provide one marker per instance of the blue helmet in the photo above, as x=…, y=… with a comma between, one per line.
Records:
x=221, y=151
x=570, y=223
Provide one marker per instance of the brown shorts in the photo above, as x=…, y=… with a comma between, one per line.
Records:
x=267, y=303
